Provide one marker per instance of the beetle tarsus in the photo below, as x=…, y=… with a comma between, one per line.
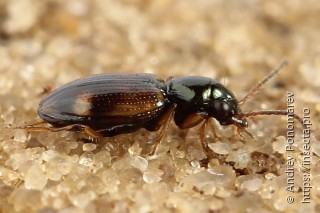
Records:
x=241, y=131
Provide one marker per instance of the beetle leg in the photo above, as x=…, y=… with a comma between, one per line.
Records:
x=193, y=120
x=202, y=131
x=213, y=129
x=41, y=128
x=91, y=133
x=87, y=130
x=242, y=131
x=25, y=126
x=164, y=129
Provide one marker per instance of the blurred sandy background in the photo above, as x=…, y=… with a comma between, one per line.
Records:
x=46, y=43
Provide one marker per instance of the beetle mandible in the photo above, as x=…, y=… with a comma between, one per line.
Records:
x=111, y=104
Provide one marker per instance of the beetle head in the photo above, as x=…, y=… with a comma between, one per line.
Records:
x=224, y=107
x=227, y=112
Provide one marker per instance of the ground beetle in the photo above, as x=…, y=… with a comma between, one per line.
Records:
x=111, y=104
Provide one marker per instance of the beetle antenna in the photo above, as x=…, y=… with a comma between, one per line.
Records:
x=273, y=112
x=257, y=87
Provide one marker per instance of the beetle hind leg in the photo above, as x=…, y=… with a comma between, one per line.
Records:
x=34, y=128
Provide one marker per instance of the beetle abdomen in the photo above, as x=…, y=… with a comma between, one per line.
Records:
x=106, y=101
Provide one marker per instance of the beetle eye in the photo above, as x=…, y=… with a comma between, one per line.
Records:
x=223, y=111
x=221, y=107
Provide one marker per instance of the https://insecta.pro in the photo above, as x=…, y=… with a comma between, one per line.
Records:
x=110, y=104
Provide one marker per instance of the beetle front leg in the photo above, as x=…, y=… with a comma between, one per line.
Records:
x=213, y=128
x=242, y=131
x=167, y=118
x=202, y=131
x=193, y=120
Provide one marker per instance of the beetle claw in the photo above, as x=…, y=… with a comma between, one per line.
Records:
x=242, y=132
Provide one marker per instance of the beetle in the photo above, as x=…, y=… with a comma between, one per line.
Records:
x=106, y=105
